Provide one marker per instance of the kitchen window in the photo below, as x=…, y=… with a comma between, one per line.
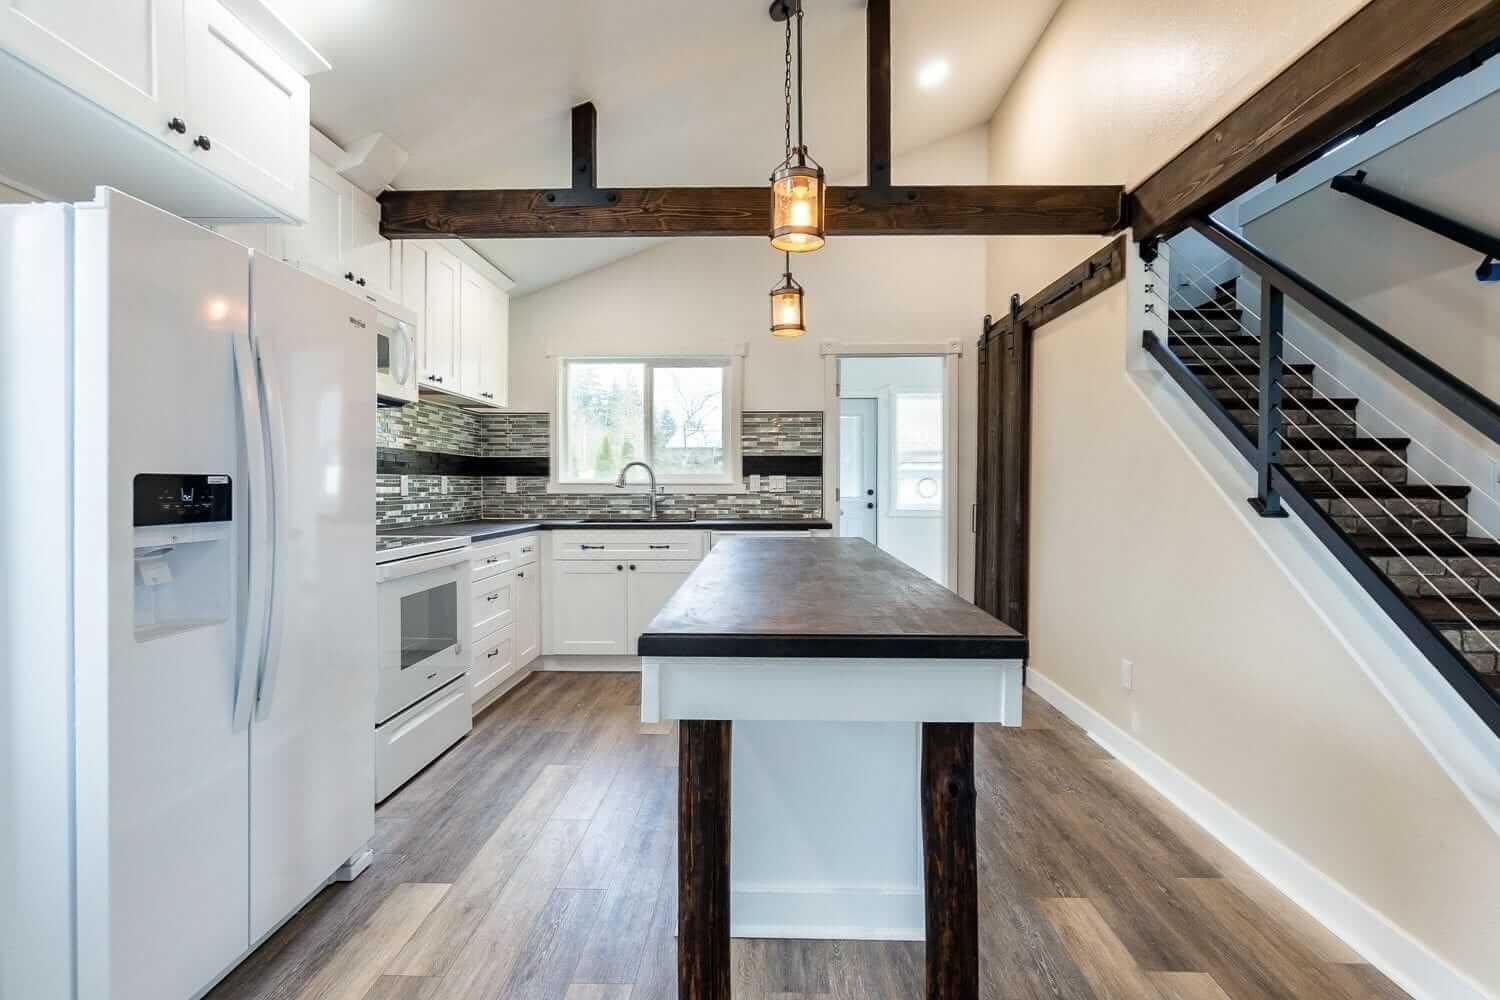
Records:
x=680, y=415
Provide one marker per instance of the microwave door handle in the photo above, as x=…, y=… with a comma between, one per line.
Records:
x=276, y=624
x=253, y=634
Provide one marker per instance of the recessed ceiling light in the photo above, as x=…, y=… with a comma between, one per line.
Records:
x=933, y=74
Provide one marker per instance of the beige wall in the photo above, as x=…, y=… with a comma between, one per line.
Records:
x=705, y=296
x=1137, y=554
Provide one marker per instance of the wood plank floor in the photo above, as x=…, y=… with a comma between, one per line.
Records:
x=536, y=860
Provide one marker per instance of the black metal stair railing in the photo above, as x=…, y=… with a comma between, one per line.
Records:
x=1356, y=186
x=1352, y=485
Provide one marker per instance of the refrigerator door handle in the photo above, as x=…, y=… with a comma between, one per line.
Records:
x=276, y=625
x=252, y=640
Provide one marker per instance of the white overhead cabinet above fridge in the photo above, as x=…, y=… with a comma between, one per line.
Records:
x=179, y=102
x=190, y=686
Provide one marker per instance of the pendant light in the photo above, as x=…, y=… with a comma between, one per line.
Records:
x=787, y=318
x=797, y=187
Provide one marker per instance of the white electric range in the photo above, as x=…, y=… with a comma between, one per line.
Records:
x=423, y=619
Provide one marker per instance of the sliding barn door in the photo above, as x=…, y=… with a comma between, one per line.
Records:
x=1004, y=437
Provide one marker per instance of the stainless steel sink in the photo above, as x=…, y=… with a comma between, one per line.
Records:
x=666, y=518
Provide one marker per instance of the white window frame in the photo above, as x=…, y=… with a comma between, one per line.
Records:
x=733, y=479
x=891, y=461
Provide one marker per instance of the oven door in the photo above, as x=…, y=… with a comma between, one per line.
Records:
x=395, y=359
x=424, y=619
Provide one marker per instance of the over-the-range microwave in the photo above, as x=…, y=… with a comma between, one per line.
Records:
x=395, y=351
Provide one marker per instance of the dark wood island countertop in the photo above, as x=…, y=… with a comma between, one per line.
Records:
x=821, y=597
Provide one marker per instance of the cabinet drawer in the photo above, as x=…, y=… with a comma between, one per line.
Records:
x=604, y=545
x=494, y=603
x=489, y=558
x=526, y=550
x=494, y=663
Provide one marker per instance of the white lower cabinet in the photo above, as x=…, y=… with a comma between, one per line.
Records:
x=528, y=615
x=506, y=613
x=589, y=615
x=605, y=587
x=651, y=584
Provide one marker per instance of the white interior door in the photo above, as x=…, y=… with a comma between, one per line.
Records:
x=312, y=769
x=859, y=469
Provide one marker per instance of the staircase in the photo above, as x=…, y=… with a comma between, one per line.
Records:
x=1413, y=532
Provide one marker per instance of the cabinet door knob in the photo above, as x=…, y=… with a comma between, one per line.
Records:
x=202, y=143
x=632, y=567
x=177, y=125
x=620, y=568
x=360, y=282
x=348, y=275
x=520, y=575
x=870, y=505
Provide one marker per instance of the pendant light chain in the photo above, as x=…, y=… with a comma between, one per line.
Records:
x=787, y=90
x=801, y=144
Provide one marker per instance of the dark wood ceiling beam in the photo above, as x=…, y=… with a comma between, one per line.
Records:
x=746, y=211
x=878, y=87
x=1385, y=51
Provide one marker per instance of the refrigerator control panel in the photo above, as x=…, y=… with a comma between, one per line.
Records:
x=181, y=499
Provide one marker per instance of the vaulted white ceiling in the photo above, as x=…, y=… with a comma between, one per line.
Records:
x=689, y=92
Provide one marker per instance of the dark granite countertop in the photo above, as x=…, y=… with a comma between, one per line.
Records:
x=837, y=597
x=478, y=531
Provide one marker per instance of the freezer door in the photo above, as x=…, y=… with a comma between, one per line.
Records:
x=311, y=738
x=162, y=810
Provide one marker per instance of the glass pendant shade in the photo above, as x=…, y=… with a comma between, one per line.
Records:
x=787, y=318
x=797, y=202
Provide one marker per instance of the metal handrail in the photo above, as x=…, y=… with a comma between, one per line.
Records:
x=1452, y=393
x=1450, y=229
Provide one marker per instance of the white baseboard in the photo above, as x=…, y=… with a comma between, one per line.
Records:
x=585, y=663
x=1401, y=957
x=827, y=913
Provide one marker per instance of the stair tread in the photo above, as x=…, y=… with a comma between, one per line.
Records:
x=1345, y=403
x=1441, y=548
x=1383, y=491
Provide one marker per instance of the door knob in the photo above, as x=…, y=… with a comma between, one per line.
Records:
x=202, y=143
x=177, y=125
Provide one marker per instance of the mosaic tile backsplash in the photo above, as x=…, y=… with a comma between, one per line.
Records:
x=434, y=427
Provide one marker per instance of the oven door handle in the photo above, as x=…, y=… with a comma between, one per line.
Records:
x=421, y=564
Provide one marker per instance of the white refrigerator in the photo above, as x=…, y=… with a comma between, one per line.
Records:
x=187, y=612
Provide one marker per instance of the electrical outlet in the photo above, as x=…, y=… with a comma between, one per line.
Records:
x=510, y=484
x=404, y=486
x=778, y=484
x=755, y=483
x=1127, y=675
x=444, y=487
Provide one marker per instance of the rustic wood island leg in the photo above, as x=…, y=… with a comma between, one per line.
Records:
x=950, y=856
x=703, y=970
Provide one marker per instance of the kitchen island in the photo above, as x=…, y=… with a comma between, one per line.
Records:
x=827, y=695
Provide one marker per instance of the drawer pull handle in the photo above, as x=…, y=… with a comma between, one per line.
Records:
x=588, y=548
x=492, y=654
x=658, y=546
x=493, y=597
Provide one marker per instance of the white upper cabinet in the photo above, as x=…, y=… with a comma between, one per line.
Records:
x=247, y=110
x=368, y=255
x=440, y=328
x=317, y=242
x=464, y=342
x=124, y=55
x=182, y=105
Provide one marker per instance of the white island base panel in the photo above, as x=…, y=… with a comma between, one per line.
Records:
x=826, y=838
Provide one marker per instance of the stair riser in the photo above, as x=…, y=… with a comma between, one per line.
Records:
x=1345, y=472
x=1480, y=654
x=1424, y=576
x=1339, y=424
x=1396, y=527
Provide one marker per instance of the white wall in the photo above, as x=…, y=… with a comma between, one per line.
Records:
x=916, y=540
x=1137, y=553
x=705, y=296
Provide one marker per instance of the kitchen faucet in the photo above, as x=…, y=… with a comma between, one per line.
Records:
x=620, y=482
